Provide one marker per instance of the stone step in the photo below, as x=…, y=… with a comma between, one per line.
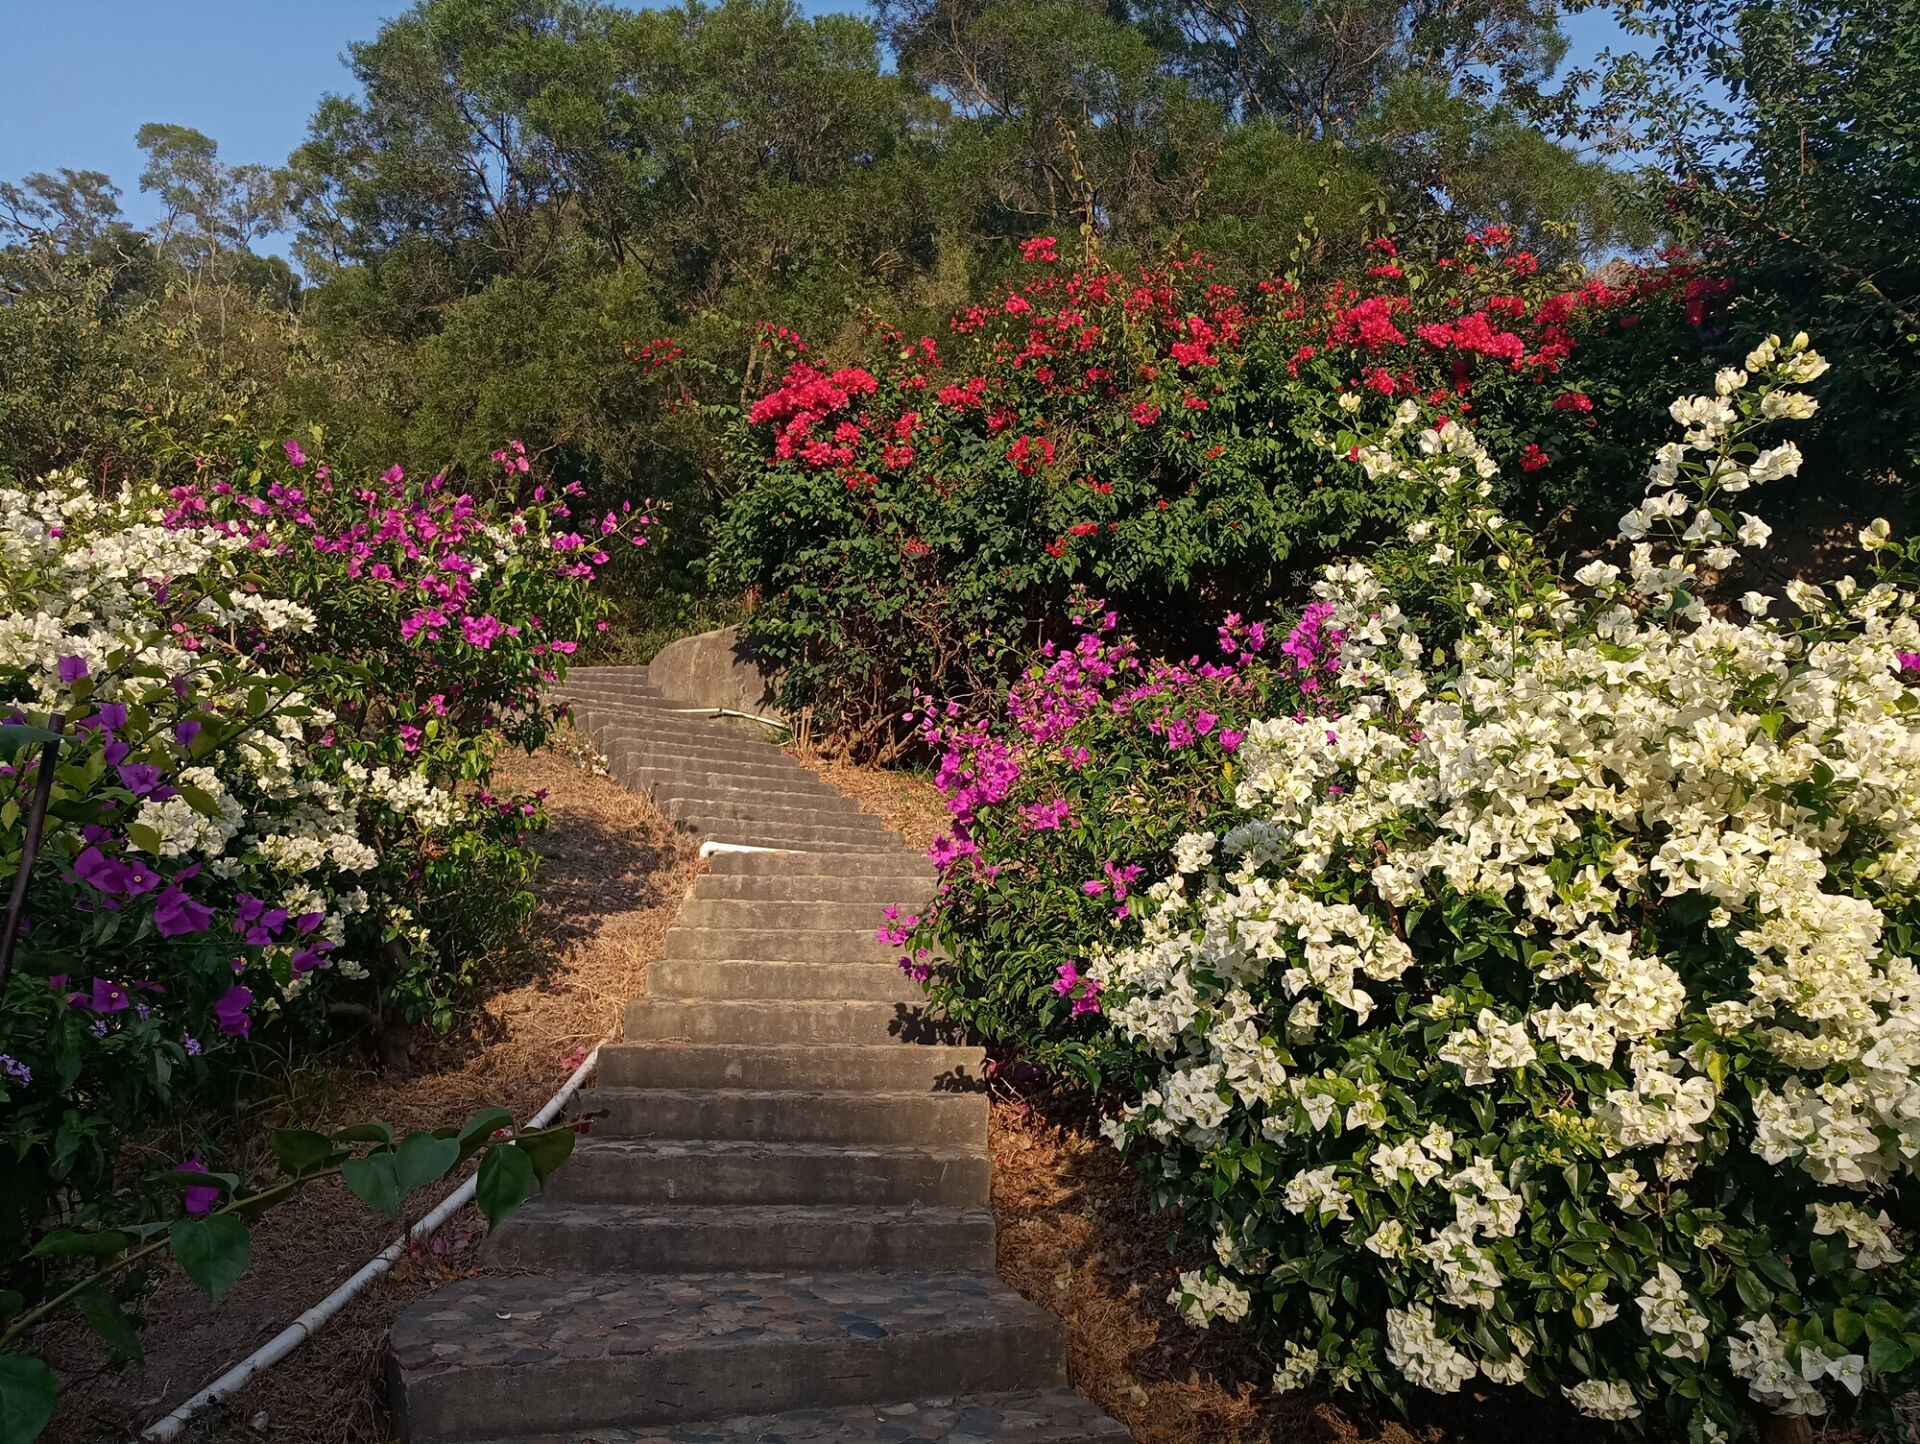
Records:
x=864, y=915
x=910, y=894
x=585, y=681
x=695, y=810
x=875, y=862
x=868, y=834
x=791, y=945
x=749, y=979
x=888, y=1068
x=603, y=694
x=656, y=1238
x=763, y=1021
x=503, y=1356
x=800, y=790
x=939, y=1120
x=746, y=1171
x=744, y=759
x=1047, y=1416
x=788, y=786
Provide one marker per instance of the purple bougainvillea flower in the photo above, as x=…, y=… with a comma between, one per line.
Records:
x=185, y=732
x=176, y=914
x=100, y=872
x=105, y=997
x=16, y=1070
x=307, y=959
x=116, y=752
x=294, y=453
x=231, y=1012
x=72, y=669
x=195, y=1199
x=139, y=877
x=141, y=778
x=307, y=922
x=113, y=716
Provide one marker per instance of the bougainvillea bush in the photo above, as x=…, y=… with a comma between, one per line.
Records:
x=282, y=693
x=1536, y=1007
x=1161, y=439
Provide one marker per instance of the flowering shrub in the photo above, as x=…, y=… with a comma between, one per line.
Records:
x=282, y=693
x=1535, y=1007
x=1160, y=438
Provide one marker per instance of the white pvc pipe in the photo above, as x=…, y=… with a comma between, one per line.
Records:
x=730, y=712
x=308, y=1324
x=708, y=849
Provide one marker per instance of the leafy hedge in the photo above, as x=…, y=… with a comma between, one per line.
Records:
x=283, y=692
x=1160, y=438
x=1517, y=988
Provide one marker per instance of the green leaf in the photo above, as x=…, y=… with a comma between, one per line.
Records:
x=1888, y=1355
x=15, y=736
x=27, y=1394
x=146, y=838
x=547, y=1149
x=1847, y=1326
x=73, y=1243
x=199, y=800
x=364, y=1133
x=506, y=1178
x=213, y=1250
x=421, y=1158
x=12, y=1301
x=481, y=1126
x=118, y=1332
x=374, y=1182
x=301, y=1150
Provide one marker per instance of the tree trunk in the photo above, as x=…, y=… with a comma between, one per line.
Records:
x=1786, y=1429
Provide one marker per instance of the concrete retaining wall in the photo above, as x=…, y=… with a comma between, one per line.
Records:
x=708, y=671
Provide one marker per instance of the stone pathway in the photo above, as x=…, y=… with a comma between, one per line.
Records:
x=778, y=1231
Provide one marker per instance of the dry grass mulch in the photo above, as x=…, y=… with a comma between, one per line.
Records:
x=613, y=876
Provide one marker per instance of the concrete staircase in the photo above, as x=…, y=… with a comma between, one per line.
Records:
x=777, y=1232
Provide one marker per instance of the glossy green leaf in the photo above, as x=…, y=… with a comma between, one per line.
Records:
x=213, y=1251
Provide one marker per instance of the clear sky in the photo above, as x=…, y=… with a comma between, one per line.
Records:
x=83, y=75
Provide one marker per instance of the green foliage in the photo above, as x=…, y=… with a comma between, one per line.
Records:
x=1790, y=130
x=101, y=1272
x=1163, y=438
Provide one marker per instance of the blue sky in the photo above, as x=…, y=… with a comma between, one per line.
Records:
x=83, y=75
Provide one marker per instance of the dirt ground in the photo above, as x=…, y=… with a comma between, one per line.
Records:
x=613, y=877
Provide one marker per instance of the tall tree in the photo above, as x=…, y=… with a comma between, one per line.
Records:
x=211, y=209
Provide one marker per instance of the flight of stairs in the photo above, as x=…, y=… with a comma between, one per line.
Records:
x=777, y=1232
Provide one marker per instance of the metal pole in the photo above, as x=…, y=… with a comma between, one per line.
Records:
x=30, y=849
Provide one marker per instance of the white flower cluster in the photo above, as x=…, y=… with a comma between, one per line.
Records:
x=97, y=592
x=1201, y=1300
x=1582, y=768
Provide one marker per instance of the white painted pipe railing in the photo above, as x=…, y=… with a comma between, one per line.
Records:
x=308, y=1324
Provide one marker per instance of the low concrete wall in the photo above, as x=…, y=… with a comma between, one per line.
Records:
x=708, y=671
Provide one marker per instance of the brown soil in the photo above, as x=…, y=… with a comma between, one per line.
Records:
x=613, y=875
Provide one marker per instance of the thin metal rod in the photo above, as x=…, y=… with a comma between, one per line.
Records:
x=30, y=849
